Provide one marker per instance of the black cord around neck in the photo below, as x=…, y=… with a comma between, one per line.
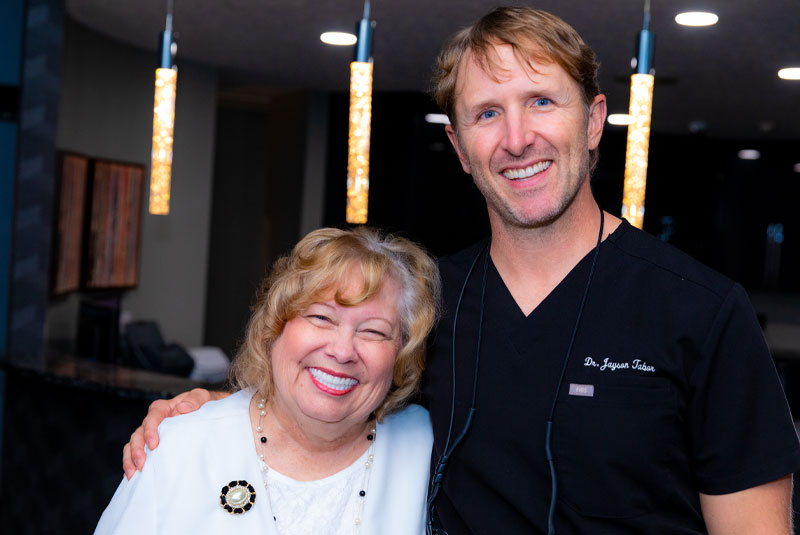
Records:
x=551, y=530
x=447, y=451
x=436, y=480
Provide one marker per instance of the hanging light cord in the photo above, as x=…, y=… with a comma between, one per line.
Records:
x=168, y=25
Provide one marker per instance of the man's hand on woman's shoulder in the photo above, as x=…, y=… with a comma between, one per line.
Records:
x=133, y=455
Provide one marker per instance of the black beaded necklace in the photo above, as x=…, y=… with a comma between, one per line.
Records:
x=362, y=493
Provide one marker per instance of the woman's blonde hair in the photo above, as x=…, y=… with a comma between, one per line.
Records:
x=324, y=262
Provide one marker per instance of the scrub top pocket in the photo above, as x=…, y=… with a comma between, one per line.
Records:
x=603, y=441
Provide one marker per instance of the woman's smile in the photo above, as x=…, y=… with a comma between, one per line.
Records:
x=332, y=383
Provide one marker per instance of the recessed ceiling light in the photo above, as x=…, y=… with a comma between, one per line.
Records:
x=338, y=38
x=796, y=168
x=696, y=18
x=698, y=127
x=790, y=73
x=766, y=126
x=621, y=119
x=749, y=154
x=436, y=118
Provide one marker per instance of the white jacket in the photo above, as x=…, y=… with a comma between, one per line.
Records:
x=178, y=489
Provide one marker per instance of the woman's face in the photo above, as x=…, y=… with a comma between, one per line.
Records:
x=333, y=363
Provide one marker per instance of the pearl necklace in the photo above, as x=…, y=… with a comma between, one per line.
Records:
x=362, y=493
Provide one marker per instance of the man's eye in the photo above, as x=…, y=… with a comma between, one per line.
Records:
x=488, y=114
x=542, y=101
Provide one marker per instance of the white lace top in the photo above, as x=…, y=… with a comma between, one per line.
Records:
x=327, y=506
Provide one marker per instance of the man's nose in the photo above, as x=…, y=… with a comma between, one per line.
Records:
x=518, y=133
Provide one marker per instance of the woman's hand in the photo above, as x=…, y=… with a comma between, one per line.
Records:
x=133, y=455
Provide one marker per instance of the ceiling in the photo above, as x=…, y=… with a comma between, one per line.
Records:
x=724, y=76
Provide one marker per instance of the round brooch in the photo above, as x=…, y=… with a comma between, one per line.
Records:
x=237, y=497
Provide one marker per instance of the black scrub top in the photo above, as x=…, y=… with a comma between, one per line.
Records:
x=670, y=391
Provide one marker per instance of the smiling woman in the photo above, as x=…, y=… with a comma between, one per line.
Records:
x=343, y=269
x=334, y=350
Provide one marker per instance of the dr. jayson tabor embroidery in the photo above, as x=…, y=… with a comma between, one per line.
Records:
x=610, y=365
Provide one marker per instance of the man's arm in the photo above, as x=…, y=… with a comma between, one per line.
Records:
x=763, y=509
x=133, y=455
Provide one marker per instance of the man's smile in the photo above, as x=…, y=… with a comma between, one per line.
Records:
x=526, y=172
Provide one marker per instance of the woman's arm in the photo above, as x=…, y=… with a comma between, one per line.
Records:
x=134, y=508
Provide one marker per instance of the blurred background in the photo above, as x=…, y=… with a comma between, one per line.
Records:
x=260, y=159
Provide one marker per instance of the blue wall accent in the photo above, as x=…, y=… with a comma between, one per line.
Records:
x=8, y=153
x=10, y=64
x=34, y=188
x=10, y=40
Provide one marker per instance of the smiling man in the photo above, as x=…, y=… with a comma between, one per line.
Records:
x=601, y=381
x=585, y=377
x=521, y=130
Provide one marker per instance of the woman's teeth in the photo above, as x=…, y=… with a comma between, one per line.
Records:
x=331, y=381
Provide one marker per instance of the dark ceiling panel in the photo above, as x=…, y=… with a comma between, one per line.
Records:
x=724, y=76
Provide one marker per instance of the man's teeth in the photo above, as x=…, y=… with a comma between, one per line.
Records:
x=527, y=172
x=333, y=382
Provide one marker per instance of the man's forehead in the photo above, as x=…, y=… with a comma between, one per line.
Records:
x=498, y=63
x=494, y=60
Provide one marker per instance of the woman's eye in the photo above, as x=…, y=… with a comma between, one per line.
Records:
x=488, y=114
x=318, y=317
x=542, y=101
x=374, y=334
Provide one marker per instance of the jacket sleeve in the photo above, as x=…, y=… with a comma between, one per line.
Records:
x=133, y=508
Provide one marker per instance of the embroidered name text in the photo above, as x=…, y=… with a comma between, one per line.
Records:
x=610, y=365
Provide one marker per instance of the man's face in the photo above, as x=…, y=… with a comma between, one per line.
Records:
x=525, y=137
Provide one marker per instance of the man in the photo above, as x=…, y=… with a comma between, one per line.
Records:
x=580, y=340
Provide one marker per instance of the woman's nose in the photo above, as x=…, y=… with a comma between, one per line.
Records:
x=342, y=345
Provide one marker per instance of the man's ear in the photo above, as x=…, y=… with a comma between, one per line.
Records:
x=597, y=118
x=451, y=134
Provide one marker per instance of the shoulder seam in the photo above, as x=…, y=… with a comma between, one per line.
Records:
x=206, y=416
x=720, y=295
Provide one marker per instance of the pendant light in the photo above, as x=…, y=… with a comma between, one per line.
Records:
x=163, y=122
x=641, y=105
x=360, y=122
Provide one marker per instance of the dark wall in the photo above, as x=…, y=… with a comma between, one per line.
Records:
x=258, y=180
x=237, y=252
x=287, y=151
x=720, y=205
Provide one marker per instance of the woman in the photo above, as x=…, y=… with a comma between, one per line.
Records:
x=320, y=437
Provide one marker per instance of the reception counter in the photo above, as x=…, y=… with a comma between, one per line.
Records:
x=65, y=420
